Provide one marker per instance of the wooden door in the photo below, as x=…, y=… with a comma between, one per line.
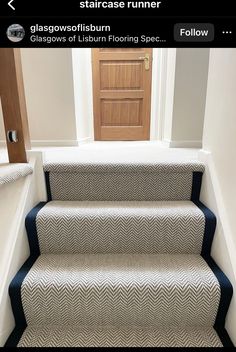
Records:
x=122, y=93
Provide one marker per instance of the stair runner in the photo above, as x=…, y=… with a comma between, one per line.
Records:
x=120, y=257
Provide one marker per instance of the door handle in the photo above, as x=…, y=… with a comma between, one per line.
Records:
x=12, y=136
x=146, y=59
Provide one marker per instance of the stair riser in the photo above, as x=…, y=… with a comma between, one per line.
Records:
x=151, y=307
x=120, y=186
x=87, y=229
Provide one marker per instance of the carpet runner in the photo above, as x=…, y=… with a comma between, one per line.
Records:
x=120, y=257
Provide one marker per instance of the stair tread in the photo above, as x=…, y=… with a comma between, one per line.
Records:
x=66, y=336
x=12, y=172
x=101, y=167
x=120, y=289
x=121, y=205
x=120, y=226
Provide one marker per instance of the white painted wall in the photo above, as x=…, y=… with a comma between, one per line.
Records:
x=190, y=95
x=16, y=200
x=220, y=123
x=11, y=240
x=83, y=93
x=186, y=84
x=48, y=79
x=219, y=140
x=169, y=94
x=223, y=248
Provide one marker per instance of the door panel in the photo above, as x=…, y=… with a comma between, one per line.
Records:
x=126, y=112
x=121, y=93
x=121, y=75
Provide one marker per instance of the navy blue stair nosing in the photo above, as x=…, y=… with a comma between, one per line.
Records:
x=15, y=337
x=225, y=285
x=16, y=283
x=224, y=337
x=210, y=227
x=16, y=302
x=225, y=299
x=48, y=185
x=196, y=185
x=226, y=292
x=30, y=224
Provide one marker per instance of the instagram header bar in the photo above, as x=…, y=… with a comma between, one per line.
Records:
x=94, y=32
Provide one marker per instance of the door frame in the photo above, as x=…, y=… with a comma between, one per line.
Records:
x=82, y=73
x=158, y=95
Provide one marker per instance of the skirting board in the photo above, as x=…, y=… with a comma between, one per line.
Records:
x=85, y=140
x=55, y=143
x=182, y=144
x=49, y=143
x=60, y=143
x=224, y=245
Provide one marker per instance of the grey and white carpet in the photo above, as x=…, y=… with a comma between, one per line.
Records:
x=163, y=181
x=120, y=227
x=120, y=257
x=12, y=172
x=119, y=337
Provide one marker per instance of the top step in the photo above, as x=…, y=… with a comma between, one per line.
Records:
x=121, y=181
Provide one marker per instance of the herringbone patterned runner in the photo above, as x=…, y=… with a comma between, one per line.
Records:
x=112, y=289
x=121, y=258
x=163, y=181
x=120, y=227
x=114, y=337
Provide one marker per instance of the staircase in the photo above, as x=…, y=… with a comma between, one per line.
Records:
x=120, y=257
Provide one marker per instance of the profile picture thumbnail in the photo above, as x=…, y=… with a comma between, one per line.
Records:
x=15, y=33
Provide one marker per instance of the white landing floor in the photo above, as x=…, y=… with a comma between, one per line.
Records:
x=119, y=152
x=145, y=151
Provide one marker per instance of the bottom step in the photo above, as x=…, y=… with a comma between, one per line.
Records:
x=115, y=337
